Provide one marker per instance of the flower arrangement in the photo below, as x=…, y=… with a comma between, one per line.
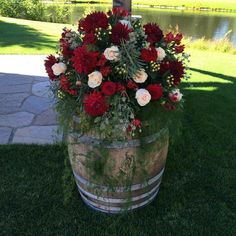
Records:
x=120, y=78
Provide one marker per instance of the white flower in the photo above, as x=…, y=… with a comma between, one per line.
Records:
x=160, y=53
x=140, y=76
x=59, y=68
x=112, y=53
x=94, y=79
x=126, y=22
x=143, y=97
x=175, y=95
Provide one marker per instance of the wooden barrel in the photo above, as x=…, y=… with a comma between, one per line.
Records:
x=126, y=177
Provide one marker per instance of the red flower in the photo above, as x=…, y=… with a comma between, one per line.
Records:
x=119, y=12
x=120, y=87
x=48, y=63
x=66, y=84
x=149, y=54
x=177, y=70
x=169, y=38
x=89, y=39
x=109, y=88
x=105, y=70
x=155, y=90
x=65, y=49
x=153, y=32
x=84, y=61
x=179, y=49
x=102, y=60
x=120, y=32
x=137, y=123
x=132, y=85
x=178, y=38
x=95, y=104
x=93, y=21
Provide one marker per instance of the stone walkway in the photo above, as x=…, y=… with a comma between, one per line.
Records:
x=26, y=114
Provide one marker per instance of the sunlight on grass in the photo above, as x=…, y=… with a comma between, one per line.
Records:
x=209, y=89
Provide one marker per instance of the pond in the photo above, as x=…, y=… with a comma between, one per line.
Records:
x=193, y=24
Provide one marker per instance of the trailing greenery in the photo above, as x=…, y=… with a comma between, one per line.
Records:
x=197, y=194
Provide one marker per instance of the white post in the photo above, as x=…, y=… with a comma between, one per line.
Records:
x=123, y=3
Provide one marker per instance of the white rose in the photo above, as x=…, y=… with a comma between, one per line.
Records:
x=143, y=97
x=59, y=68
x=160, y=53
x=140, y=76
x=112, y=53
x=126, y=22
x=175, y=95
x=94, y=79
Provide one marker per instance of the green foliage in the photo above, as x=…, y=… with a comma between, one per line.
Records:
x=35, y=10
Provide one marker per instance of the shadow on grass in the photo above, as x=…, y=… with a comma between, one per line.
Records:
x=14, y=34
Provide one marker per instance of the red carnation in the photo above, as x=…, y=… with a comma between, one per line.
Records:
x=179, y=49
x=169, y=38
x=137, y=123
x=120, y=32
x=132, y=85
x=149, y=54
x=118, y=12
x=95, y=104
x=155, y=90
x=109, y=88
x=84, y=61
x=178, y=38
x=66, y=84
x=48, y=63
x=93, y=21
x=153, y=32
x=89, y=39
x=164, y=67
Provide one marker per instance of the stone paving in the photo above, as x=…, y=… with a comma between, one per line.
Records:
x=26, y=104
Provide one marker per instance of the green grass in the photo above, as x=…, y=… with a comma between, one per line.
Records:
x=224, y=4
x=197, y=195
x=34, y=37
x=28, y=37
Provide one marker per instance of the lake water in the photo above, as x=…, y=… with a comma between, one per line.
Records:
x=196, y=25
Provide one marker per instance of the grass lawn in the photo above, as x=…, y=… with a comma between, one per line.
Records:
x=28, y=37
x=197, y=196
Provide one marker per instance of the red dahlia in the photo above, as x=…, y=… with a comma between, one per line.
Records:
x=120, y=32
x=109, y=88
x=85, y=61
x=89, y=39
x=149, y=54
x=93, y=21
x=48, y=63
x=66, y=84
x=95, y=104
x=153, y=32
x=177, y=69
x=155, y=90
